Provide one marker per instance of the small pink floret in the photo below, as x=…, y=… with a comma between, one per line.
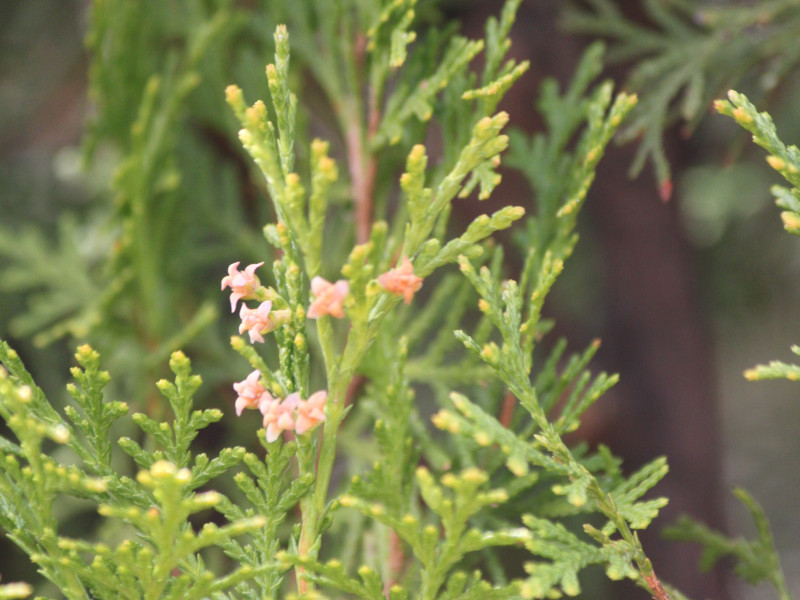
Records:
x=311, y=412
x=257, y=321
x=401, y=281
x=243, y=284
x=328, y=298
x=292, y=414
x=251, y=394
x=278, y=416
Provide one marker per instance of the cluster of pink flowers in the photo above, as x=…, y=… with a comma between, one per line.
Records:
x=245, y=286
x=329, y=297
x=293, y=413
x=289, y=414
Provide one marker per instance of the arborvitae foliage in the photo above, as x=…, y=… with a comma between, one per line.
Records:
x=756, y=561
x=158, y=556
x=686, y=53
x=353, y=490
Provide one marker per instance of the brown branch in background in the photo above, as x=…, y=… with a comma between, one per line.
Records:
x=361, y=162
x=374, y=114
x=362, y=168
x=354, y=388
x=507, y=411
x=395, y=561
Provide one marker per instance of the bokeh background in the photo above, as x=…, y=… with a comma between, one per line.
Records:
x=685, y=295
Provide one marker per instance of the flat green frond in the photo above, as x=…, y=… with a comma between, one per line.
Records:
x=627, y=494
x=565, y=556
x=392, y=26
x=148, y=569
x=332, y=574
x=426, y=205
x=390, y=480
x=14, y=370
x=417, y=102
x=497, y=42
x=784, y=159
x=756, y=559
x=463, y=586
x=472, y=421
x=176, y=439
x=205, y=470
x=684, y=55
x=66, y=298
x=774, y=370
x=559, y=175
x=455, y=499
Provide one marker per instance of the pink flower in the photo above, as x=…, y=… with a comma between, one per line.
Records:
x=243, y=284
x=401, y=281
x=257, y=321
x=328, y=298
x=278, y=415
x=251, y=393
x=310, y=412
x=292, y=413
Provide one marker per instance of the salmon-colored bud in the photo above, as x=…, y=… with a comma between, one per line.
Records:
x=311, y=412
x=401, y=281
x=328, y=298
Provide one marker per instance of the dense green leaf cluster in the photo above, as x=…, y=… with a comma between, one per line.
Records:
x=366, y=500
x=158, y=555
x=427, y=520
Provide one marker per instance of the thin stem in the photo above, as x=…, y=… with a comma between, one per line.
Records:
x=361, y=162
x=395, y=561
x=658, y=591
x=603, y=501
x=310, y=511
x=362, y=167
x=779, y=581
x=507, y=410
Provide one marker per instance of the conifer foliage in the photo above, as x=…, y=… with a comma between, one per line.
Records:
x=364, y=305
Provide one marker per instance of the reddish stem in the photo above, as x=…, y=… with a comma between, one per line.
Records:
x=361, y=162
x=656, y=589
x=362, y=168
x=396, y=560
x=507, y=411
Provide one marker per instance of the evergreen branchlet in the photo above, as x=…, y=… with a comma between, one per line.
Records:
x=367, y=308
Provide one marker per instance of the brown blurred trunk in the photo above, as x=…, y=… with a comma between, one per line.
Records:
x=655, y=336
